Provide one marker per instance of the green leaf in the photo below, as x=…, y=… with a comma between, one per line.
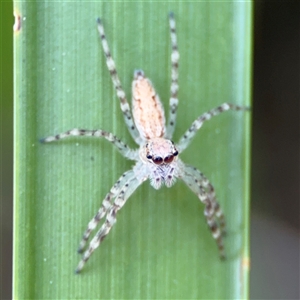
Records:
x=160, y=248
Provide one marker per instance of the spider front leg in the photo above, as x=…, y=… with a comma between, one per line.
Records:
x=197, y=124
x=210, y=190
x=200, y=185
x=174, y=79
x=122, y=147
x=122, y=190
x=106, y=205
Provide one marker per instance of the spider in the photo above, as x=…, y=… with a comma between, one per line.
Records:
x=157, y=157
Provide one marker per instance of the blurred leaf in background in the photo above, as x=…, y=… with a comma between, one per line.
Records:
x=6, y=147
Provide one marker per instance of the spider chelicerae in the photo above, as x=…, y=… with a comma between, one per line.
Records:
x=157, y=157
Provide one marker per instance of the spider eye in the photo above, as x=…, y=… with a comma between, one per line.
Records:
x=149, y=156
x=175, y=153
x=157, y=160
x=168, y=159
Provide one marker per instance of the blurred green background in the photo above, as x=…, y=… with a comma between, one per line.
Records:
x=275, y=171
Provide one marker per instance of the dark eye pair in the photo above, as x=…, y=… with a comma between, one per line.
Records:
x=159, y=160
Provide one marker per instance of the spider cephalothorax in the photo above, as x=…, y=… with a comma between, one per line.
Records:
x=156, y=158
x=160, y=156
x=159, y=151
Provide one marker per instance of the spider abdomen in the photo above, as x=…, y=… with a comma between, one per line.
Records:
x=148, y=111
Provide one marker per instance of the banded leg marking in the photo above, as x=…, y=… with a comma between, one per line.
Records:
x=199, y=184
x=105, y=206
x=210, y=190
x=121, y=146
x=117, y=84
x=174, y=79
x=197, y=124
x=125, y=192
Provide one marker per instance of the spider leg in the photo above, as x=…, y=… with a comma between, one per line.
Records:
x=105, y=206
x=124, y=192
x=197, y=124
x=192, y=171
x=174, y=78
x=200, y=185
x=122, y=147
x=117, y=84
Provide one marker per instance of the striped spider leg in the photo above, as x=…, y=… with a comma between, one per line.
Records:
x=157, y=157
